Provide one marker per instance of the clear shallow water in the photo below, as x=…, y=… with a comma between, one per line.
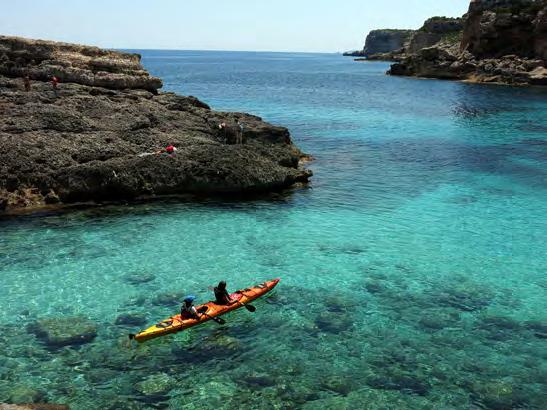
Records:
x=413, y=269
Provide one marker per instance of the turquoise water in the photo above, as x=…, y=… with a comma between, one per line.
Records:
x=413, y=268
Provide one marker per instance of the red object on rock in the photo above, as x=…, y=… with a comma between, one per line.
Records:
x=170, y=149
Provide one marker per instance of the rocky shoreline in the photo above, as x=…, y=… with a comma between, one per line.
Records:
x=497, y=41
x=101, y=134
x=503, y=42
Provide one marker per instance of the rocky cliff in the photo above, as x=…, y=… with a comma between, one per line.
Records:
x=380, y=42
x=502, y=42
x=99, y=136
x=435, y=30
x=73, y=63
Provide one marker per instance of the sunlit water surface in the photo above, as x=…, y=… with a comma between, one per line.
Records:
x=413, y=268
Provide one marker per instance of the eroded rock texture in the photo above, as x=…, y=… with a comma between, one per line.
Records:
x=97, y=136
x=503, y=41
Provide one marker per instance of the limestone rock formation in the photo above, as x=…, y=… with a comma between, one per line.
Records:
x=435, y=30
x=98, y=137
x=73, y=63
x=494, y=29
x=385, y=41
x=380, y=43
x=502, y=42
x=395, y=45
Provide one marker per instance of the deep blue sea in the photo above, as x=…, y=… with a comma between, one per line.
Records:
x=414, y=266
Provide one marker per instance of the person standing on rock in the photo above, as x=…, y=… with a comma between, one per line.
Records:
x=26, y=82
x=222, y=131
x=239, y=137
x=54, y=84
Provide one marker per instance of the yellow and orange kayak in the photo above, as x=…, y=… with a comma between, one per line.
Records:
x=210, y=309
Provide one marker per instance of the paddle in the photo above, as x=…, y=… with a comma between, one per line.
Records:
x=216, y=319
x=250, y=308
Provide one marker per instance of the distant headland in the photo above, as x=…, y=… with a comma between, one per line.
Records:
x=497, y=41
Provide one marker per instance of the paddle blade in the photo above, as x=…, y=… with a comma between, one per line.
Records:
x=250, y=308
x=219, y=321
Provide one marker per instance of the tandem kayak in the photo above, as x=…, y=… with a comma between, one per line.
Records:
x=209, y=311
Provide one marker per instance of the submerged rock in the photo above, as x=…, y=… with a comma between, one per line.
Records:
x=374, y=286
x=329, y=403
x=258, y=379
x=137, y=301
x=337, y=304
x=499, y=327
x=466, y=296
x=333, y=322
x=224, y=342
x=64, y=331
x=494, y=395
x=26, y=394
x=138, y=278
x=131, y=319
x=168, y=299
x=340, y=384
x=539, y=328
x=436, y=320
x=156, y=385
x=402, y=381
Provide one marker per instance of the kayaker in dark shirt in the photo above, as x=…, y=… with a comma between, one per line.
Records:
x=188, y=310
x=221, y=294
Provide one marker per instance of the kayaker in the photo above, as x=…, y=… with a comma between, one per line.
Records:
x=188, y=310
x=221, y=294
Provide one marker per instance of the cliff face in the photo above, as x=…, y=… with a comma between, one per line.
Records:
x=73, y=63
x=394, y=45
x=502, y=41
x=494, y=29
x=433, y=31
x=99, y=135
x=380, y=43
x=386, y=41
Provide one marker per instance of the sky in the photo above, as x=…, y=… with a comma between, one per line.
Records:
x=243, y=25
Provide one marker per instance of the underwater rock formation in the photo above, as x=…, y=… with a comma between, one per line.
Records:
x=64, y=331
x=97, y=136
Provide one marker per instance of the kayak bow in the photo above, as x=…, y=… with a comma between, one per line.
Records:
x=175, y=323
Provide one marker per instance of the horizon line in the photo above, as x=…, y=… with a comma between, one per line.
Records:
x=176, y=49
x=225, y=50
